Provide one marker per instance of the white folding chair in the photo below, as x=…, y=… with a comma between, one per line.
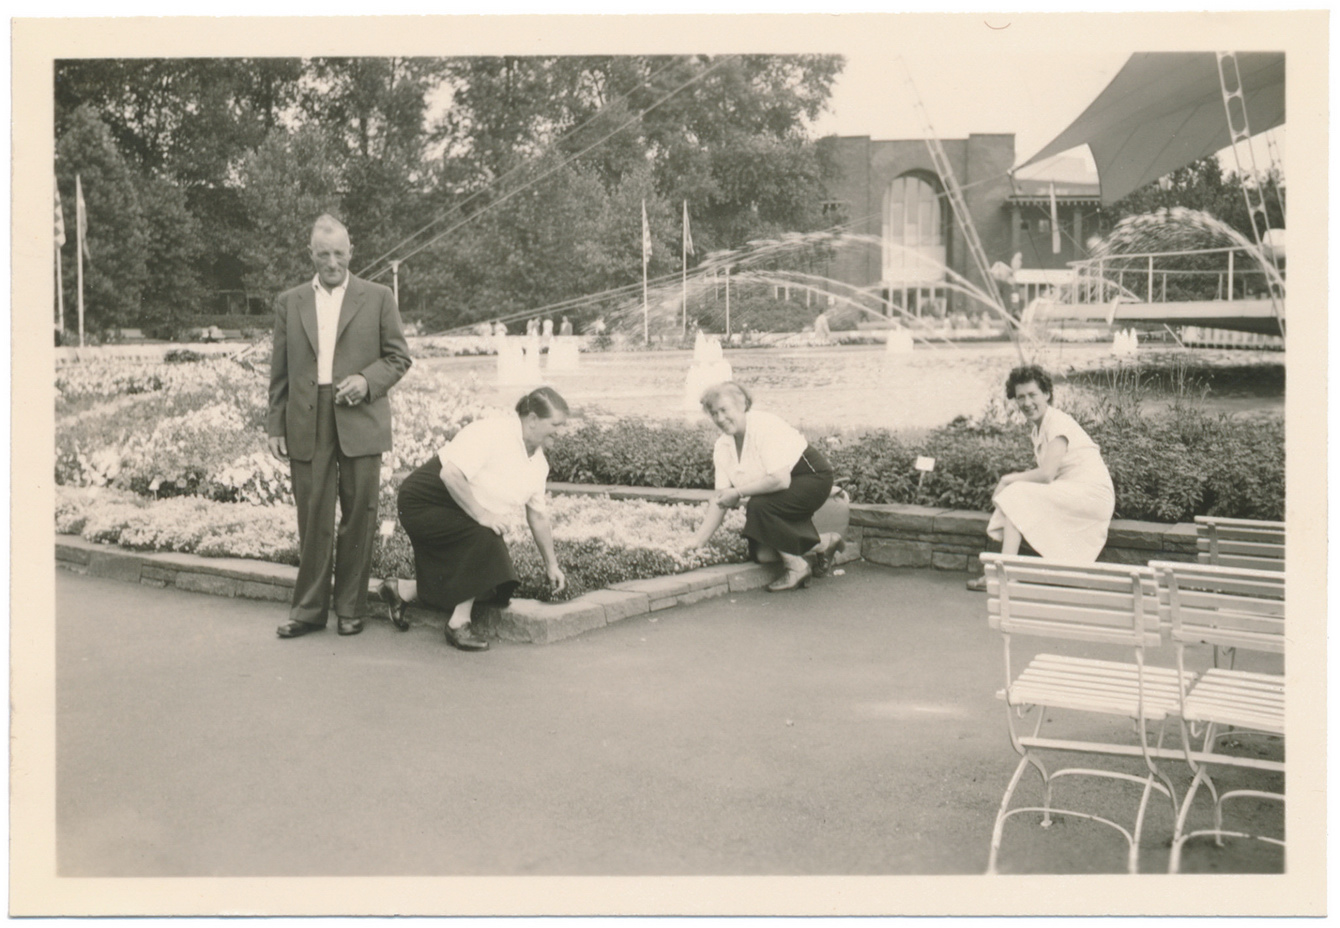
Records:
x=1231, y=608
x=1102, y=604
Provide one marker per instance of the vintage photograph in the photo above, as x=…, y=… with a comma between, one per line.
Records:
x=611, y=455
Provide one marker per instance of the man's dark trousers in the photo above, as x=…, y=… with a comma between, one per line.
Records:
x=317, y=483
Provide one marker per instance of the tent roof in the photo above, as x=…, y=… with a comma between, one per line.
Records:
x=1164, y=110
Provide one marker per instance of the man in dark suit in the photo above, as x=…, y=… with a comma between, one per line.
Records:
x=338, y=349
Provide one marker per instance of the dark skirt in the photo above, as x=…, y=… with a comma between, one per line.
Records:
x=455, y=558
x=785, y=520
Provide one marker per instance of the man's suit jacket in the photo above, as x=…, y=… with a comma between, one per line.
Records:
x=368, y=341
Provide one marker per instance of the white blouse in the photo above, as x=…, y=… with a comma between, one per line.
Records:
x=491, y=453
x=770, y=445
x=1083, y=460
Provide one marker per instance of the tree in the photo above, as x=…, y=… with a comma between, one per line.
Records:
x=285, y=185
x=115, y=271
x=187, y=119
x=1204, y=186
x=172, y=288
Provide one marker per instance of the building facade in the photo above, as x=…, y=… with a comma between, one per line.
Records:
x=907, y=252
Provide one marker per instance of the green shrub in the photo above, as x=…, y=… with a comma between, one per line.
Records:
x=634, y=453
x=1166, y=466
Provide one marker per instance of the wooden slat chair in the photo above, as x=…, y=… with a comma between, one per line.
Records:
x=1100, y=603
x=1231, y=608
x=1250, y=543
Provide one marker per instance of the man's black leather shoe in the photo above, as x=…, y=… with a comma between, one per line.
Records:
x=349, y=626
x=297, y=629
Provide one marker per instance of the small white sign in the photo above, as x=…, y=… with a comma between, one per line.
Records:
x=388, y=528
x=925, y=463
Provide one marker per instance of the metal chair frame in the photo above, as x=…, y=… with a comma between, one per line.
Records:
x=1231, y=608
x=1106, y=604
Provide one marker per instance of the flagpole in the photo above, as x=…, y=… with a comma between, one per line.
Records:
x=646, y=253
x=80, y=221
x=684, y=289
x=60, y=295
x=684, y=275
x=727, y=305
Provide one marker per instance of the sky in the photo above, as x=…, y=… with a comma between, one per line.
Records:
x=1033, y=97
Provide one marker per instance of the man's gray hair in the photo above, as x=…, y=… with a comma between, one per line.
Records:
x=328, y=223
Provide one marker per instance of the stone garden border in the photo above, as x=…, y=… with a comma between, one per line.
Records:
x=893, y=535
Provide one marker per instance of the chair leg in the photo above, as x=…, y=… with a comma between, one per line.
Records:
x=998, y=830
x=1175, y=859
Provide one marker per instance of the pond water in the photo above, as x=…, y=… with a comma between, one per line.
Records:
x=854, y=387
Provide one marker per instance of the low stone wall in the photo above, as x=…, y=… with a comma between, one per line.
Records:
x=892, y=535
x=951, y=539
x=900, y=535
x=524, y=620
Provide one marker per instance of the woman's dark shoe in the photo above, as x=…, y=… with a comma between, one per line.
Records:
x=464, y=639
x=389, y=593
x=792, y=579
x=977, y=584
x=831, y=544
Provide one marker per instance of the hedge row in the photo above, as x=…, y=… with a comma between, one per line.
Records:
x=1166, y=466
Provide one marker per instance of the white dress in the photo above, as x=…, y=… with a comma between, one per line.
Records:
x=1067, y=519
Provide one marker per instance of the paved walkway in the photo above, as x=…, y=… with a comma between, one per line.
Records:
x=846, y=729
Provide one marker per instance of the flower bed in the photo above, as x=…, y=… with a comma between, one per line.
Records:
x=161, y=429
x=599, y=541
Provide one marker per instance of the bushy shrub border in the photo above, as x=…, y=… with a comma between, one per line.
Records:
x=1166, y=466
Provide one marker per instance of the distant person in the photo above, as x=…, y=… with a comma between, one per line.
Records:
x=532, y=326
x=597, y=327
x=780, y=477
x=548, y=330
x=499, y=329
x=339, y=347
x=455, y=505
x=821, y=331
x=1062, y=507
x=565, y=327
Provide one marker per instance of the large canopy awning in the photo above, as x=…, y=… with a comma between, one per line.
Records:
x=1164, y=110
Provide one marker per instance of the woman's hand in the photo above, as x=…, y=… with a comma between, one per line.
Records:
x=728, y=498
x=491, y=522
x=557, y=580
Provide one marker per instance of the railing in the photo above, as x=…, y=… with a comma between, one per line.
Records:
x=1230, y=273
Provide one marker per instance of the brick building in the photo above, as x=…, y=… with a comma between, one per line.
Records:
x=890, y=195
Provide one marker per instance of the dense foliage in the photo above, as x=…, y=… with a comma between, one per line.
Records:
x=1166, y=466
x=503, y=183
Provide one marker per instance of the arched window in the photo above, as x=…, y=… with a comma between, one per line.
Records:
x=915, y=231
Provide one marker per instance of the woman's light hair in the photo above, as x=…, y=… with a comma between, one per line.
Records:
x=715, y=392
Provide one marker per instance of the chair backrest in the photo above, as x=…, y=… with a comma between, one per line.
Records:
x=1107, y=603
x=1250, y=543
x=1230, y=607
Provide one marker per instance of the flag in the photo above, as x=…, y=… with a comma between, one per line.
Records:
x=1056, y=223
x=688, y=237
x=60, y=220
x=646, y=236
x=81, y=217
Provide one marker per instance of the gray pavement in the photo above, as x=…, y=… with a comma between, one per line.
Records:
x=846, y=729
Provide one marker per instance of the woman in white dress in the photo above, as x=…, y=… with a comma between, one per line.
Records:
x=1063, y=506
x=782, y=480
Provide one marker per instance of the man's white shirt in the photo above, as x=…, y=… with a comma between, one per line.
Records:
x=327, y=322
